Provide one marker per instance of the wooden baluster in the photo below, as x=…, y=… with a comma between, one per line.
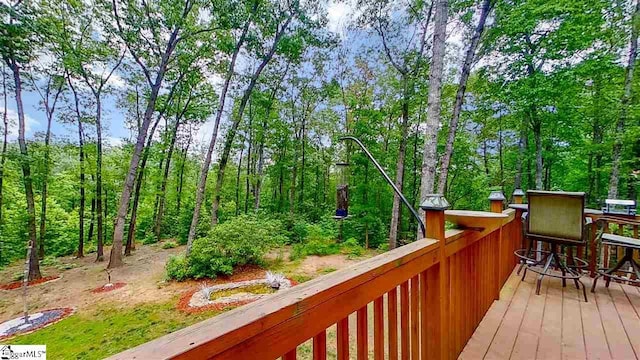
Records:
x=404, y=320
x=320, y=346
x=392, y=317
x=378, y=329
x=291, y=355
x=343, y=339
x=415, y=329
x=362, y=335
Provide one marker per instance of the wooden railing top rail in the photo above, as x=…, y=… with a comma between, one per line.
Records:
x=291, y=309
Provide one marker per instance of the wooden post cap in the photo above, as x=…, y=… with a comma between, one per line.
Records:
x=435, y=202
x=518, y=195
x=497, y=200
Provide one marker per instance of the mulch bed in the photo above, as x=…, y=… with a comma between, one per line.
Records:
x=105, y=288
x=248, y=272
x=48, y=317
x=18, y=284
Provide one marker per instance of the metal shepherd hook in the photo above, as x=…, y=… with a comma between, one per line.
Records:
x=386, y=177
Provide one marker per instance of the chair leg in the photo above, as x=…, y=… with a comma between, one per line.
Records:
x=543, y=273
x=523, y=262
x=593, y=286
x=584, y=290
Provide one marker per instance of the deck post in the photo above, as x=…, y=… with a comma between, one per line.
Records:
x=434, y=206
x=518, y=196
x=496, y=201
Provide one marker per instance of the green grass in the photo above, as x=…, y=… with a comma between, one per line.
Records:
x=109, y=330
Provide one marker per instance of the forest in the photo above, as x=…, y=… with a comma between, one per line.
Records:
x=126, y=122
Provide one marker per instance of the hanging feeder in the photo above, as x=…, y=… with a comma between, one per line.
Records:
x=342, y=191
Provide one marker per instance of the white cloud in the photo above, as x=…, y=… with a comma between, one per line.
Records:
x=338, y=15
x=113, y=141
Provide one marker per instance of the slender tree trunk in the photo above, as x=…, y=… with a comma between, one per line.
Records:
x=80, y=252
x=204, y=171
x=522, y=147
x=247, y=180
x=115, y=260
x=614, y=180
x=34, y=265
x=131, y=234
x=93, y=218
x=238, y=180
x=98, y=194
x=429, y=157
x=396, y=209
x=165, y=177
x=185, y=151
x=43, y=195
x=5, y=133
x=234, y=128
x=462, y=87
x=537, y=137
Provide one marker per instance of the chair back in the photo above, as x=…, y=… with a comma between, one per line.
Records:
x=556, y=217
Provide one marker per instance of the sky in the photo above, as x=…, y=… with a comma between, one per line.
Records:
x=339, y=14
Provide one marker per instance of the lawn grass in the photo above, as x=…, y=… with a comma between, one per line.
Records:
x=98, y=333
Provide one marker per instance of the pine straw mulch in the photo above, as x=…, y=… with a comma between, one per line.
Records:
x=18, y=284
x=243, y=273
x=105, y=288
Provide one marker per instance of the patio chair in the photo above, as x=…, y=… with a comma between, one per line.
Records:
x=624, y=265
x=557, y=219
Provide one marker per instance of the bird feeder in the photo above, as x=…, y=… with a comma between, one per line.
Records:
x=342, y=191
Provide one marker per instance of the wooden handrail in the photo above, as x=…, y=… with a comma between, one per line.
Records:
x=441, y=288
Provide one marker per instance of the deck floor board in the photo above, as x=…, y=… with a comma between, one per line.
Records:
x=558, y=324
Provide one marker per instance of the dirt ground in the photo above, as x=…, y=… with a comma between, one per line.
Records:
x=144, y=274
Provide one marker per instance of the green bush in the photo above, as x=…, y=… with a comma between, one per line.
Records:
x=240, y=241
x=169, y=245
x=178, y=267
x=352, y=248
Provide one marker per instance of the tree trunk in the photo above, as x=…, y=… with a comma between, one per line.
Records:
x=185, y=151
x=43, y=195
x=396, y=209
x=98, y=194
x=238, y=181
x=80, y=253
x=247, y=180
x=131, y=234
x=462, y=87
x=537, y=137
x=624, y=104
x=204, y=172
x=429, y=157
x=5, y=133
x=234, y=128
x=522, y=147
x=34, y=265
x=165, y=177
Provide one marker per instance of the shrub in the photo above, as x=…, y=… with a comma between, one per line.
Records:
x=239, y=241
x=320, y=246
x=352, y=248
x=169, y=245
x=178, y=267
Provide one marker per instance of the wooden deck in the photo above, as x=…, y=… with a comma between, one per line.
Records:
x=558, y=325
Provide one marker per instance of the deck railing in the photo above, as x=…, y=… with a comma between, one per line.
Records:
x=427, y=298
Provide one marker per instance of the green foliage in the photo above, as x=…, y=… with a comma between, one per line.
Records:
x=240, y=241
x=169, y=245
